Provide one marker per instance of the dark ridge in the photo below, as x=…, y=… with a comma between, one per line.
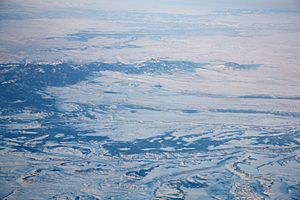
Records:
x=110, y=92
x=250, y=111
x=139, y=107
x=257, y=11
x=140, y=173
x=190, y=111
x=259, y=188
x=233, y=65
x=194, y=182
x=269, y=97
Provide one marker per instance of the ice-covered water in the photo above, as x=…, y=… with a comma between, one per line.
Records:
x=122, y=104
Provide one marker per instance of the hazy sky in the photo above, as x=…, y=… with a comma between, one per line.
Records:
x=158, y=6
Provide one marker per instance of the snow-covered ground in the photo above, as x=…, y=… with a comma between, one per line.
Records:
x=149, y=100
